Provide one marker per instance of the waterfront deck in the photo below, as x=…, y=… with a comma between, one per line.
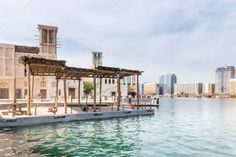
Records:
x=31, y=113
x=42, y=116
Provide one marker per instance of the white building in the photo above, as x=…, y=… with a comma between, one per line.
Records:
x=208, y=89
x=233, y=87
x=190, y=89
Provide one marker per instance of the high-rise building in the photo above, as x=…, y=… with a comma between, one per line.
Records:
x=166, y=83
x=222, y=78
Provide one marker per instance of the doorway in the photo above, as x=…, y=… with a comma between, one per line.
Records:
x=72, y=93
x=43, y=93
x=18, y=93
x=4, y=93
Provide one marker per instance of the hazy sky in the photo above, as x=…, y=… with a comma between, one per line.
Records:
x=187, y=37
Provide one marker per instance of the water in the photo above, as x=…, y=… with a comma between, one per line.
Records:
x=179, y=128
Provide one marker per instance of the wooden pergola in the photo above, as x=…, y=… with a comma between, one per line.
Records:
x=58, y=68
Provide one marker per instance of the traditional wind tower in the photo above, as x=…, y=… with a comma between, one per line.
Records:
x=96, y=59
x=48, y=41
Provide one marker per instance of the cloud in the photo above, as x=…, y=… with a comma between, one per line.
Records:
x=189, y=38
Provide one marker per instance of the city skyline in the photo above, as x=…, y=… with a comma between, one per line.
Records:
x=190, y=39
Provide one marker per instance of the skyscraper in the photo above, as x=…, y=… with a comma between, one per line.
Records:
x=223, y=76
x=167, y=82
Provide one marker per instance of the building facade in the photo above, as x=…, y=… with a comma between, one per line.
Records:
x=222, y=79
x=233, y=87
x=167, y=82
x=109, y=85
x=208, y=89
x=151, y=89
x=13, y=80
x=188, y=89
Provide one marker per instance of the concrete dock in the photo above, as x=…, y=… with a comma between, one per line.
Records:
x=75, y=114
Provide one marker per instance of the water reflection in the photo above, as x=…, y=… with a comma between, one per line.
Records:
x=94, y=138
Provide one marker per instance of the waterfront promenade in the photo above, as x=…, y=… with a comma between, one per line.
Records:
x=40, y=113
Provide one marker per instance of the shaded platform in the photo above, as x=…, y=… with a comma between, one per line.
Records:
x=46, y=118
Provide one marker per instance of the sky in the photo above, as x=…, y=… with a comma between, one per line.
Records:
x=189, y=38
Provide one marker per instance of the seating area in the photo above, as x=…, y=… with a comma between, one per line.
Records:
x=16, y=109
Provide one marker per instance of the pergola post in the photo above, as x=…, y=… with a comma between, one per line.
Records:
x=94, y=95
x=56, y=94
x=118, y=92
x=65, y=96
x=100, y=95
x=79, y=93
x=14, y=86
x=28, y=89
x=137, y=95
x=32, y=93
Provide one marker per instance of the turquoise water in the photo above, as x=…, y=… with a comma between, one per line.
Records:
x=179, y=128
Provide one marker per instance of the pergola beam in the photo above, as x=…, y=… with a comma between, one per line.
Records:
x=47, y=67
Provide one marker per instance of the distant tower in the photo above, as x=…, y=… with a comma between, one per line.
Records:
x=167, y=82
x=96, y=59
x=48, y=41
x=223, y=76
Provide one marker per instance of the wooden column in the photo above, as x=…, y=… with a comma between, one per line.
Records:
x=100, y=95
x=14, y=87
x=32, y=93
x=118, y=92
x=28, y=90
x=137, y=91
x=65, y=96
x=56, y=94
x=94, y=95
x=79, y=93
x=14, y=81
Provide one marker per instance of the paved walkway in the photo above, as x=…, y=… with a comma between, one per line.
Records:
x=43, y=111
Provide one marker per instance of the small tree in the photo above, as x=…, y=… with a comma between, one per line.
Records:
x=88, y=87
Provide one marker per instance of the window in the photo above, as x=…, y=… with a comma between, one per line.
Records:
x=113, y=81
x=25, y=91
x=51, y=37
x=105, y=81
x=4, y=93
x=109, y=81
x=44, y=36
